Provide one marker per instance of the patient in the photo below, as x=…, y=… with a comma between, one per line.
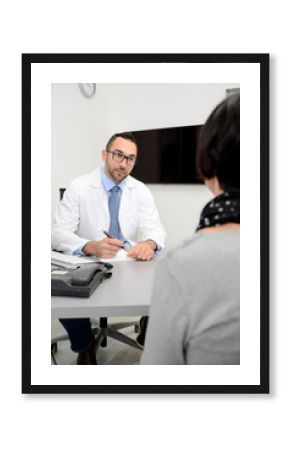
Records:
x=195, y=312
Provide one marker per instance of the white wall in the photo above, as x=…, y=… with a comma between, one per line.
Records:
x=81, y=127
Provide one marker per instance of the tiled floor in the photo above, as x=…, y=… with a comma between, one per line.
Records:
x=115, y=352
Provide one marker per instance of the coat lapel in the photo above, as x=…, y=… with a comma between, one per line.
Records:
x=101, y=196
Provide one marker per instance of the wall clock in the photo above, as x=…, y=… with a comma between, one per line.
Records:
x=87, y=89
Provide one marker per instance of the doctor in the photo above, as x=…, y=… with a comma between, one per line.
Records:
x=107, y=199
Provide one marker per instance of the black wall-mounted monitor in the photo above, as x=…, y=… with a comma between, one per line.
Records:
x=167, y=155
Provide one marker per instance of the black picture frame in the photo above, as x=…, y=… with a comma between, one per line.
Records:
x=263, y=61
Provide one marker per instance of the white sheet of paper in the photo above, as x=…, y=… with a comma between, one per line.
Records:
x=120, y=256
x=77, y=260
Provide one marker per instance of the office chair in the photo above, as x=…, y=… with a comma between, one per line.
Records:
x=103, y=330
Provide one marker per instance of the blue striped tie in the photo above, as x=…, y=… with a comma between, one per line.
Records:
x=114, y=203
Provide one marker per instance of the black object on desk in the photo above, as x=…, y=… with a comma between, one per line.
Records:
x=79, y=281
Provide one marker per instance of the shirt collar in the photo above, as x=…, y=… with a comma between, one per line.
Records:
x=109, y=184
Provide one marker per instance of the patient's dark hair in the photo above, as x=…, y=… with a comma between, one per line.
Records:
x=218, y=152
x=125, y=135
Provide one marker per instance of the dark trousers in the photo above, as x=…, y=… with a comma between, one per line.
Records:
x=79, y=332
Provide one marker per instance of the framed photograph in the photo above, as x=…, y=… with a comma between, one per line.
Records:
x=66, y=123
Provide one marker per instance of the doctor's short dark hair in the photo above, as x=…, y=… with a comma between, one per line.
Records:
x=218, y=152
x=125, y=135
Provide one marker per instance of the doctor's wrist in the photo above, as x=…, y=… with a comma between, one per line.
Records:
x=152, y=244
x=90, y=248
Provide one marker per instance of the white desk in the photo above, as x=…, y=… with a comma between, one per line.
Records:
x=126, y=293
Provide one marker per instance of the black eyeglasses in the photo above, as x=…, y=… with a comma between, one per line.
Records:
x=119, y=157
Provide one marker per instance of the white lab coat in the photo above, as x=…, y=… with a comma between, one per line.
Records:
x=83, y=214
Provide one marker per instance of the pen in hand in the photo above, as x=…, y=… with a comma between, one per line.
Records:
x=110, y=237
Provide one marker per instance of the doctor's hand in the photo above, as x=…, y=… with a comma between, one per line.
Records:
x=107, y=248
x=144, y=251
